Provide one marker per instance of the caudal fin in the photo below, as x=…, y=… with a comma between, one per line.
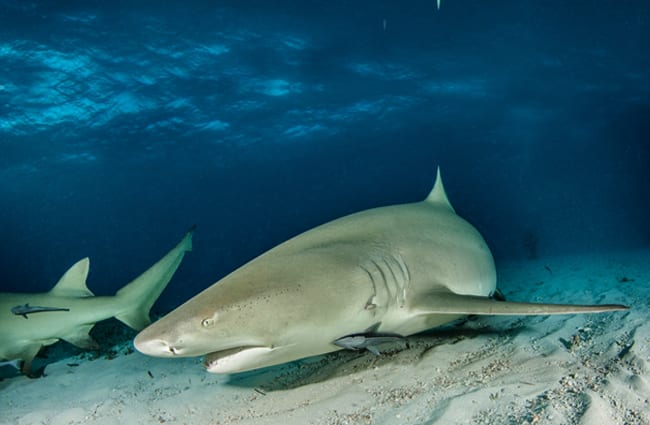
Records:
x=139, y=296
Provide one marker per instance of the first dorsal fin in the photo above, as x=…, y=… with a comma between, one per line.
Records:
x=73, y=282
x=438, y=195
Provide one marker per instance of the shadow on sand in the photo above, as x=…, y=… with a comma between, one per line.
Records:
x=340, y=363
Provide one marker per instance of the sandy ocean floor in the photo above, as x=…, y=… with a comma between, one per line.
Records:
x=589, y=369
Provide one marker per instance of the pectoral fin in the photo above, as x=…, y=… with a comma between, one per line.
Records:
x=79, y=336
x=27, y=356
x=374, y=350
x=454, y=304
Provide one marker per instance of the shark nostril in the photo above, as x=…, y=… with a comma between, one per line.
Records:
x=175, y=348
x=157, y=347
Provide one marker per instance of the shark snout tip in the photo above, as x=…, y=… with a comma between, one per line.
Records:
x=154, y=347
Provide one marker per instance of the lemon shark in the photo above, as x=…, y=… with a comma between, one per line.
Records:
x=395, y=270
x=70, y=310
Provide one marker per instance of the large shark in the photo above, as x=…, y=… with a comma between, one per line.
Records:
x=395, y=270
x=69, y=311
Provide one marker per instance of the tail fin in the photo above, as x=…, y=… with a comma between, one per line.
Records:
x=139, y=296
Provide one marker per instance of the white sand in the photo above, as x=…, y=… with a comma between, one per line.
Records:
x=591, y=369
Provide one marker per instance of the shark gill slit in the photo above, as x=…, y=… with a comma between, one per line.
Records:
x=392, y=273
x=372, y=301
x=382, y=291
x=406, y=273
x=389, y=276
x=396, y=283
x=401, y=279
x=389, y=293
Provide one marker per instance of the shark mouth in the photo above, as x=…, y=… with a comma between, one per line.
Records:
x=236, y=359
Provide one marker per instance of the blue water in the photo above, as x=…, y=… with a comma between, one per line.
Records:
x=123, y=123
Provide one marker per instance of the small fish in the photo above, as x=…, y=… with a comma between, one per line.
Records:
x=368, y=340
x=25, y=309
x=370, y=343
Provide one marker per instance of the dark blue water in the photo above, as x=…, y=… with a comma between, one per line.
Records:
x=123, y=123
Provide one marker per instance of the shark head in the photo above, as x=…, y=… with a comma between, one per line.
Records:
x=255, y=317
x=197, y=328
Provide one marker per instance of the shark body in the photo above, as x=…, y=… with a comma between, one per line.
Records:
x=396, y=270
x=77, y=309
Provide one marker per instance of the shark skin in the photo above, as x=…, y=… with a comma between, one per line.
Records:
x=75, y=309
x=396, y=270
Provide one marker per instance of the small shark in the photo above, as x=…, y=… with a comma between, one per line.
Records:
x=408, y=267
x=79, y=309
x=25, y=309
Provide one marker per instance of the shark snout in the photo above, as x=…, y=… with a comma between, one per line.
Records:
x=153, y=347
x=157, y=347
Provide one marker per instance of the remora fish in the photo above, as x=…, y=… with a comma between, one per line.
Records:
x=25, y=309
x=368, y=342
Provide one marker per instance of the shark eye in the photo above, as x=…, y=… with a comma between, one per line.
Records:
x=209, y=322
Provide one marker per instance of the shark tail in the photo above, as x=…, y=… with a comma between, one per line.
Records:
x=139, y=295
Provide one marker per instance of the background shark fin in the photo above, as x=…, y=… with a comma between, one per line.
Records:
x=73, y=282
x=139, y=296
x=438, y=195
x=80, y=337
x=449, y=303
x=27, y=356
